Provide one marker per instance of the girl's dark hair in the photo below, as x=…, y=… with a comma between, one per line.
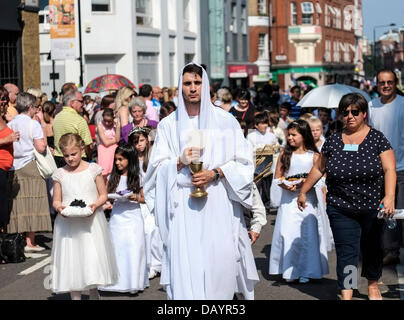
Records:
x=108, y=113
x=133, y=139
x=243, y=126
x=355, y=99
x=133, y=183
x=302, y=127
x=48, y=108
x=273, y=118
x=107, y=100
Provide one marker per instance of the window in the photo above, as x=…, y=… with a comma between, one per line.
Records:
x=337, y=20
x=293, y=13
x=234, y=17
x=327, y=16
x=148, y=67
x=327, y=55
x=243, y=20
x=307, y=13
x=144, y=16
x=187, y=22
x=262, y=6
x=336, y=51
x=101, y=6
x=188, y=57
x=262, y=46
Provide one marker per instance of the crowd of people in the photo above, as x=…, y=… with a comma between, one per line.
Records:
x=127, y=157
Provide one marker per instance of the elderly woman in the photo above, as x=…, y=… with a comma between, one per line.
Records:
x=122, y=100
x=361, y=176
x=30, y=210
x=137, y=109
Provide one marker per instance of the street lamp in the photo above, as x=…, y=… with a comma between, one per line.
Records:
x=374, y=39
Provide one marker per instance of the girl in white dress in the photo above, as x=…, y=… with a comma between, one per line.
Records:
x=126, y=224
x=139, y=139
x=82, y=254
x=298, y=249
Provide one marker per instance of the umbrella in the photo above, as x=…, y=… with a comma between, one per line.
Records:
x=108, y=82
x=328, y=96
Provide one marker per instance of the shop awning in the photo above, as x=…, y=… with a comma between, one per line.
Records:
x=242, y=70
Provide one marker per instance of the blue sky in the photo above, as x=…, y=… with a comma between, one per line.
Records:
x=381, y=12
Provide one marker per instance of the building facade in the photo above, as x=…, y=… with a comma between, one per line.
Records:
x=389, y=50
x=315, y=42
x=225, y=42
x=148, y=41
x=259, y=31
x=19, y=44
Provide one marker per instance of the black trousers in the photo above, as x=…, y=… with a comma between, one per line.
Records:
x=5, y=202
x=355, y=232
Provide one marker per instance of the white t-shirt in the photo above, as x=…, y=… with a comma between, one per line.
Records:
x=259, y=140
x=24, y=148
x=389, y=119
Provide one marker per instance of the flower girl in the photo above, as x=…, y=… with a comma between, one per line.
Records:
x=82, y=254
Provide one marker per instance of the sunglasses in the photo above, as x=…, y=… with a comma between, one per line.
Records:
x=383, y=83
x=4, y=99
x=354, y=112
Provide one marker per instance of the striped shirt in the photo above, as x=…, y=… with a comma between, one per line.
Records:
x=69, y=121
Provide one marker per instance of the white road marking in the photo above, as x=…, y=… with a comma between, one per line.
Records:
x=35, y=267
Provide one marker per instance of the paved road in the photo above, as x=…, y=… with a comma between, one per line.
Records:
x=31, y=285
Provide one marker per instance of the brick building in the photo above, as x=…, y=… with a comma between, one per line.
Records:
x=19, y=44
x=258, y=25
x=316, y=42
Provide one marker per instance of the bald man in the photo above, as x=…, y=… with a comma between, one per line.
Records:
x=13, y=91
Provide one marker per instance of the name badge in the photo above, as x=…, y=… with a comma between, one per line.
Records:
x=351, y=147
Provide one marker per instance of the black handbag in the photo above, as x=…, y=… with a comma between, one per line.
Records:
x=12, y=247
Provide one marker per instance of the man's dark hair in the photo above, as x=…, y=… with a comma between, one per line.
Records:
x=326, y=110
x=286, y=105
x=294, y=88
x=261, y=117
x=193, y=68
x=54, y=94
x=355, y=83
x=145, y=90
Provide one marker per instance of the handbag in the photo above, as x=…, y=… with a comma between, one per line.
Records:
x=12, y=248
x=45, y=162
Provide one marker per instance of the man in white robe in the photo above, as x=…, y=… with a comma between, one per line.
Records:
x=207, y=252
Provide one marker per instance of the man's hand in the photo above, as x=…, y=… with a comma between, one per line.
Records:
x=253, y=236
x=191, y=154
x=203, y=177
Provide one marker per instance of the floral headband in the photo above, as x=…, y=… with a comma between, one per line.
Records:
x=139, y=130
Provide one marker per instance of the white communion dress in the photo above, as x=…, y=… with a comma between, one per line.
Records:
x=128, y=237
x=154, y=244
x=82, y=254
x=299, y=243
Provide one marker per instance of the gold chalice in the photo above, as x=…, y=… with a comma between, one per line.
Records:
x=198, y=192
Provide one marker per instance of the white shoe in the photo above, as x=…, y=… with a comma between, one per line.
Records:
x=33, y=249
x=153, y=274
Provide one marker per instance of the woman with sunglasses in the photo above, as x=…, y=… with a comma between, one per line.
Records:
x=361, y=177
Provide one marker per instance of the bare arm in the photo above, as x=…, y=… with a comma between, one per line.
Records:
x=118, y=131
x=57, y=197
x=315, y=174
x=40, y=145
x=10, y=138
x=105, y=141
x=390, y=177
x=123, y=116
x=102, y=193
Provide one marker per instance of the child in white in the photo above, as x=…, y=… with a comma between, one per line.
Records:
x=298, y=249
x=139, y=139
x=82, y=254
x=126, y=224
x=262, y=135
